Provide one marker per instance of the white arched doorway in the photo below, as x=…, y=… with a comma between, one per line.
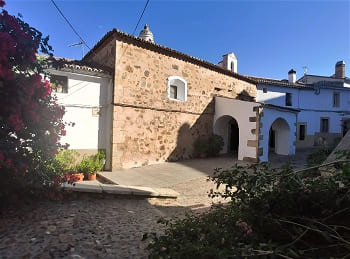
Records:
x=227, y=127
x=279, y=137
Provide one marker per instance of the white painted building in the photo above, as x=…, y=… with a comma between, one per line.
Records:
x=86, y=94
x=315, y=108
x=233, y=121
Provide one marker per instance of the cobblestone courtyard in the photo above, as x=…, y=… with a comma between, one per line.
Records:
x=96, y=227
x=91, y=227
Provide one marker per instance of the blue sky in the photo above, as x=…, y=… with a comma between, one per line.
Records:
x=268, y=37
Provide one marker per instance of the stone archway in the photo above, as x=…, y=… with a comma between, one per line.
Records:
x=279, y=137
x=227, y=127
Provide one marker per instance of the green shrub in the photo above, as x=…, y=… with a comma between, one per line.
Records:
x=91, y=164
x=86, y=165
x=208, y=146
x=67, y=160
x=200, y=147
x=318, y=157
x=272, y=213
x=215, y=144
x=100, y=160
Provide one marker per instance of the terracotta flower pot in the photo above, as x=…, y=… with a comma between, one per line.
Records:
x=91, y=177
x=75, y=177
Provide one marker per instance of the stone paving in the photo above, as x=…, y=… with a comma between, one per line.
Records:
x=96, y=227
x=84, y=228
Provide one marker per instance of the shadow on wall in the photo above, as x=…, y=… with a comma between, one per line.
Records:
x=187, y=134
x=202, y=128
x=244, y=96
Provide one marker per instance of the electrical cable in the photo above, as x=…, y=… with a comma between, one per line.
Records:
x=74, y=30
x=138, y=22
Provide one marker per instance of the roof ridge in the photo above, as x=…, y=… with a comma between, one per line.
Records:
x=169, y=51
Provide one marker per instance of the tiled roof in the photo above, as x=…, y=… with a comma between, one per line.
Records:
x=327, y=78
x=65, y=63
x=163, y=50
x=270, y=81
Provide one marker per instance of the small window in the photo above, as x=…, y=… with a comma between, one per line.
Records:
x=302, y=131
x=59, y=84
x=177, y=88
x=288, y=99
x=264, y=90
x=336, y=99
x=324, y=125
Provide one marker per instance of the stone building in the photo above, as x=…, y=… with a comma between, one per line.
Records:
x=163, y=100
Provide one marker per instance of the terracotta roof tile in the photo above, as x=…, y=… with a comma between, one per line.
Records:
x=62, y=63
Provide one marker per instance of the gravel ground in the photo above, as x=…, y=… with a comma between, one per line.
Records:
x=92, y=227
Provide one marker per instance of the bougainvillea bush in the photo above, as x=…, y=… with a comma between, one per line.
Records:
x=30, y=119
x=272, y=213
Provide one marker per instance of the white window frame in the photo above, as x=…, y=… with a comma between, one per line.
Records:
x=179, y=88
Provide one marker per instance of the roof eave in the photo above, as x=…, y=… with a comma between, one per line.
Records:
x=163, y=50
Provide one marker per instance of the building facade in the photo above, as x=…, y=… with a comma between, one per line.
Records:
x=155, y=102
x=86, y=94
x=312, y=111
x=164, y=100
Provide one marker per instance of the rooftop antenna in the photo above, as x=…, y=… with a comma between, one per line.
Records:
x=305, y=72
x=77, y=44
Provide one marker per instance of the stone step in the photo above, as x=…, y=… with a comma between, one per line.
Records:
x=127, y=190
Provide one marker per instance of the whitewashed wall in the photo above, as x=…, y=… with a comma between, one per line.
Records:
x=87, y=95
x=312, y=104
x=276, y=95
x=270, y=116
x=240, y=111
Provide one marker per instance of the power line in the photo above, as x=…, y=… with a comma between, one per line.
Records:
x=138, y=22
x=74, y=30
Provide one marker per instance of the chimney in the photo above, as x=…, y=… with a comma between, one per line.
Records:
x=292, y=76
x=230, y=62
x=340, y=69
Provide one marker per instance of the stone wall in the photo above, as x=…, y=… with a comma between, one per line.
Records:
x=150, y=128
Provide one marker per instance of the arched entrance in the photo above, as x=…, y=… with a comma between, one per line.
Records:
x=279, y=137
x=227, y=127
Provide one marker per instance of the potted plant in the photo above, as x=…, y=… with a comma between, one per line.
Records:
x=90, y=165
x=74, y=175
x=87, y=167
x=66, y=159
